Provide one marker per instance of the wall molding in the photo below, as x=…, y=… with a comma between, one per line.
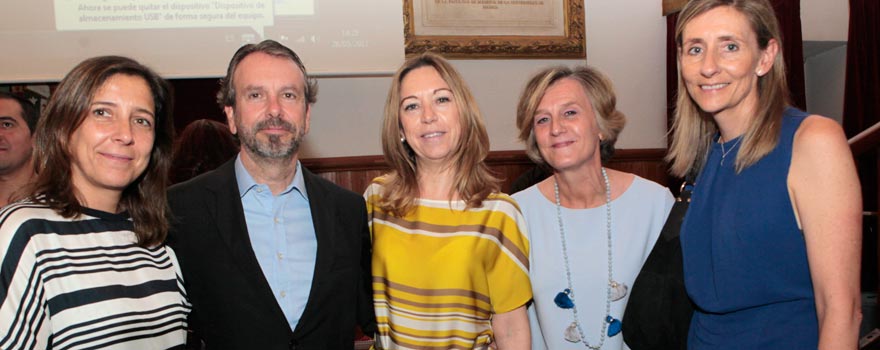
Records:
x=375, y=162
x=356, y=172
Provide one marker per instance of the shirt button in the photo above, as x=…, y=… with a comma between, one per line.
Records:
x=280, y=256
x=277, y=220
x=283, y=294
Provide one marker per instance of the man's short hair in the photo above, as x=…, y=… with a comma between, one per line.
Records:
x=226, y=95
x=28, y=109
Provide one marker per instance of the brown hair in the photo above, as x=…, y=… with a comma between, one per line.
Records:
x=473, y=179
x=599, y=90
x=28, y=110
x=693, y=129
x=145, y=198
x=226, y=95
x=202, y=146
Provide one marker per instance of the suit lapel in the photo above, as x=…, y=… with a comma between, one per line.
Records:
x=323, y=217
x=228, y=214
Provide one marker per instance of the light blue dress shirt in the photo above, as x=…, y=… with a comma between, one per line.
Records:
x=282, y=235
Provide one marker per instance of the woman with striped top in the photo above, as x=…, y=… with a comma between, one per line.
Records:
x=450, y=253
x=84, y=264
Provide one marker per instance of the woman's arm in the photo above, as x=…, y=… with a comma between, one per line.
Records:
x=827, y=200
x=535, y=328
x=512, y=329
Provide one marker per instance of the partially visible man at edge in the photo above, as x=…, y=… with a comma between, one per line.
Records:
x=273, y=256
x=18, y=117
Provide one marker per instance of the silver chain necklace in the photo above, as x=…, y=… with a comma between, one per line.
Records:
x=614, y=290
x=724, y=153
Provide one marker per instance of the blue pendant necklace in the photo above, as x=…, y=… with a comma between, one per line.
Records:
x=614, y=291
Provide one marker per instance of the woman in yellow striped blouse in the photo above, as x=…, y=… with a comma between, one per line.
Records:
x=450, y=253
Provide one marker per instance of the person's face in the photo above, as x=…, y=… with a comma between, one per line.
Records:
x=429, y=116
x=721, y=62
x=271, y=115
x=565, y=127
x=112, y=146
x=15, y=138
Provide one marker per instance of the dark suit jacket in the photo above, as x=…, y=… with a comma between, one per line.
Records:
x=233, y=305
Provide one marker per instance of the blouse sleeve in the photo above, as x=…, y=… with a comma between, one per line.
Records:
x=507, y=271
x=371, y=197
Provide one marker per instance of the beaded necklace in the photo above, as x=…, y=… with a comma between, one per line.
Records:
x=614, y=291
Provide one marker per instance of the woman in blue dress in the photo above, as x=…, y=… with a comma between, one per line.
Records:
x=771, y=242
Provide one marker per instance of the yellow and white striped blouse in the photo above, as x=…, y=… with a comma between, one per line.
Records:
x=440, y=272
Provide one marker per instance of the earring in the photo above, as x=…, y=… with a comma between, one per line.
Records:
x=402, y=139
x=759, y=72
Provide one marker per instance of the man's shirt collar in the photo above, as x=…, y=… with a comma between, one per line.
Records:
x=247, y=183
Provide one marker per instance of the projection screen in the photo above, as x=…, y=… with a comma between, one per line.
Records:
x=43, y=39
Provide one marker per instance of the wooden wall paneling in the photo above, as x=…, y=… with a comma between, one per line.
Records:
x=355, y=173
x=508, y=165
x=672, y=6
x=647, y=163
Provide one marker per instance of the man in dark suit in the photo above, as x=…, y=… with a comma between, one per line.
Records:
x=273, y=256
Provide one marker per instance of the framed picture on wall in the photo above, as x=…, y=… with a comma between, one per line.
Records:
x=495, y=28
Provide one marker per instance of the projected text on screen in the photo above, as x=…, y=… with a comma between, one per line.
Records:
x=195, y=38
x=154, y=14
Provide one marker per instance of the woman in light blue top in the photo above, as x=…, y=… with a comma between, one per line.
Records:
x=591, y=227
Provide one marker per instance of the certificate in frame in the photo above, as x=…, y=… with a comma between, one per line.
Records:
x=495, y=28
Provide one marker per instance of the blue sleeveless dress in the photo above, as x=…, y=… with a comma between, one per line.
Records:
x=745, y=260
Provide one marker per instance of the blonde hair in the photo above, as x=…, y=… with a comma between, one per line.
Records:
x=473, y=180
x=599, y=90
x=693, y=129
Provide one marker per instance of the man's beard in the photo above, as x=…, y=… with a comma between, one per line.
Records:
x=276, y=147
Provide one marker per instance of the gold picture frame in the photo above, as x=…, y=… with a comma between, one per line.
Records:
x=570, y=43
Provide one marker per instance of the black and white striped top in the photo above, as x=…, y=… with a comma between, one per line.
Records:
x=84, y=283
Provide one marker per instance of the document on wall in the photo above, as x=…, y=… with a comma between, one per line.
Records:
x=489, y=17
